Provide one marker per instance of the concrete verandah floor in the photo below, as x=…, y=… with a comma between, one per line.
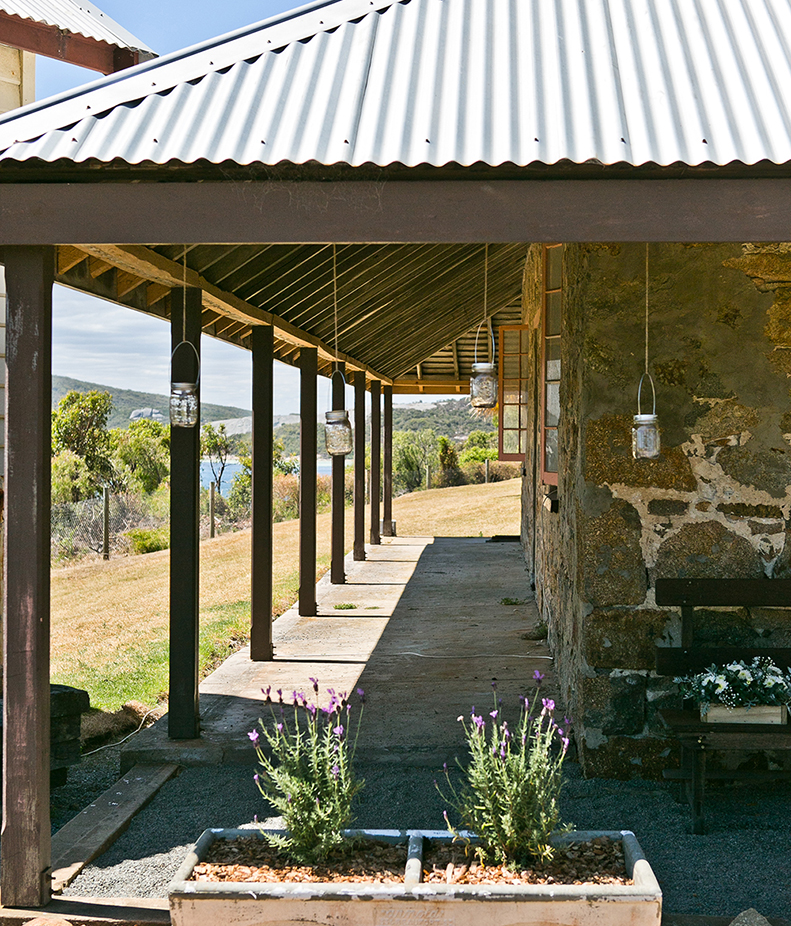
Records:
x=426, y=637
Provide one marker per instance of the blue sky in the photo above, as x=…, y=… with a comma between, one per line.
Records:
x=103, y=343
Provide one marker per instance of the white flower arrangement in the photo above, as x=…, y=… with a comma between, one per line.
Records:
x=739, y=684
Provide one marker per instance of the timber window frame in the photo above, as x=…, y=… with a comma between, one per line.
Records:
x=513, y=394
x=551, y=323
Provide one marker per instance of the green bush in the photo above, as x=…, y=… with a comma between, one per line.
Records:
x=148, y=540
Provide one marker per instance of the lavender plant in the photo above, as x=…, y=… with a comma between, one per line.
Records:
x=305, y=771
x=511, y=785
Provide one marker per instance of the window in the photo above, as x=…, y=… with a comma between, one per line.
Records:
x=514, y=376
x=550, y=362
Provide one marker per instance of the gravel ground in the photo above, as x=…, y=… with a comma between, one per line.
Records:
x=744, y=860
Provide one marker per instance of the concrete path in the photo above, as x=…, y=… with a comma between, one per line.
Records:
x=425, y=638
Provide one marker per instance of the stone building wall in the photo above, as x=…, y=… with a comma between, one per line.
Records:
x=716, y=503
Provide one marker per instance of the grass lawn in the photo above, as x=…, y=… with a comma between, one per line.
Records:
x=110, y=619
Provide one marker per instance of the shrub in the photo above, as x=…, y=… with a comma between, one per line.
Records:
x=309, y=777
x=509, y=796
x=149, y=540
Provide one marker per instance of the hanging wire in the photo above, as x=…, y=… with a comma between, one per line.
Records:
x=335, y=296
x=485, y=304
x=646, y=307
x=184, y=298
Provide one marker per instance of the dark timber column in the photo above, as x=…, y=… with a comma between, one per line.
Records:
x=337, y=575
x=261, y=572
x=387, y=512
x=376, y=457
x=26, y=820
x=359, y=465
x=308, y=363
x=183, y=709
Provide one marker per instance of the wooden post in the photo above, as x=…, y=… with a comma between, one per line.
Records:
x=486, y=471
x=261, y=489
x=359, y=466
x=387, y=500
x=337, y=542
x=106, y=523
x=308, y=363
x=376, y=458
x=26, y=608
x=183, y=708
x=212, y=490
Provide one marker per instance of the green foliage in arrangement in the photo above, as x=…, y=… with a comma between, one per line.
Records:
x=306, y=771
x=739, y=684
x=511, y=785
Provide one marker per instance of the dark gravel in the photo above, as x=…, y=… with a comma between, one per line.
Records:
x=743, y=861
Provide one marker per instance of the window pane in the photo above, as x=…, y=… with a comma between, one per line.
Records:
x=551, y=450
x=510, y=342
x=510, y=441
x=554, y=268
x=511, y=366
x=552, y=415
x=511, y=393
x=523, y=442
x=510, y=416
x=523, y=417
x=554, y=303
x=525, y=341
x=552, y=348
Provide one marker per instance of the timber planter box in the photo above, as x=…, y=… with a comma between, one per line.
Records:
x=776, y=714
x=194, y=903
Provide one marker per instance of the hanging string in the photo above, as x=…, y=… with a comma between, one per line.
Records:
x=184, y=299
x=485, y=281
x=335, y=297
x=646, y=307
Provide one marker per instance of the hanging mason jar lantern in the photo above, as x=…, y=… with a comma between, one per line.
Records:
x=645, y=428
x=184, y=404
x=483, y=386
x=338, y=433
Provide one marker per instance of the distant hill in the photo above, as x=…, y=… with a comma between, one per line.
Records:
x=449, y=418
x=125, y=401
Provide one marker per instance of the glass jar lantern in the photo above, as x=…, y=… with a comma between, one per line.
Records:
x=483, y=386
x=338, y=433
x=645, y=428
x=184, y=406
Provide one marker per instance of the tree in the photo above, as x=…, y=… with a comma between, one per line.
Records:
x=217, y=446
x=413, y=451
x=79, y=425
x=449, y=472
x=479, y=447
x=71, y=479
x=141, y=454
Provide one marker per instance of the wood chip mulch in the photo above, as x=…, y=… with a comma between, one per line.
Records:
x=597, y=862
x=251, y=859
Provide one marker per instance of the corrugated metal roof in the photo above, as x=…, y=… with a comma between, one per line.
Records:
x=77, y=16
x=442, y=82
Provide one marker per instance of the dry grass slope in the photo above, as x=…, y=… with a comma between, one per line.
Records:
x=110, y=620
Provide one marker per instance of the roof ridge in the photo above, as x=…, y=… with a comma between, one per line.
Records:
x=187, y=64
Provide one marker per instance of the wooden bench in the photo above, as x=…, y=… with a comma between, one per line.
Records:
x=696, y=737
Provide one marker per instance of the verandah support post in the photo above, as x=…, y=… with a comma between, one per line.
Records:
x=337, y=543
x=359, y=466
x=26, y=590
x=376, y=458
x=183, y=707
x=261, y=495
x=387, y=499
x=308, y=364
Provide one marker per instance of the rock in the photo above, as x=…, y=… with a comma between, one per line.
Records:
x=613, y=567
x=708, y=550
x=750, y=917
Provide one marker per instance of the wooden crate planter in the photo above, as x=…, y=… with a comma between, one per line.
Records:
x=250, y=904
x=760, y=713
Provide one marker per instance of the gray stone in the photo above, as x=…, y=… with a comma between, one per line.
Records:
x=614, y=568
x=708, y=550
x=750, y=917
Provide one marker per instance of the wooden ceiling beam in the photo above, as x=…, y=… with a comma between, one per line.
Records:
x=69, y=257
x=168, y=273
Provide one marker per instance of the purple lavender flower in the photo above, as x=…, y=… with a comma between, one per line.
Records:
x=549, y=704
x=253, y=737
x=493, y=714
x=256, y=778
x=538, y=677
x=502, y=750
x=494, y=684
x=280, y=695
x=312, y=709
x=479, y=722
x=315, y=683
x=265, y=692
x=335, y=771
x=279, y=728
x=444, y=766
x=361, y=695
x=338, y=731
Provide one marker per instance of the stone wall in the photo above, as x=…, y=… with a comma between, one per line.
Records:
x=716, y=503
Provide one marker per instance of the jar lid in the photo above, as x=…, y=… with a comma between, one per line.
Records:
x=183, y=387
x=483, y=368
x=340, y=415
x=646, y=419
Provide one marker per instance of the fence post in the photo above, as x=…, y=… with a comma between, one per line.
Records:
x=428, y=475
x=212, y=489
x=106, y=524
x=486, y=465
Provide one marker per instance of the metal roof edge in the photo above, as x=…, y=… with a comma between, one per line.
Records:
x=177, y=67
x=131, y=41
